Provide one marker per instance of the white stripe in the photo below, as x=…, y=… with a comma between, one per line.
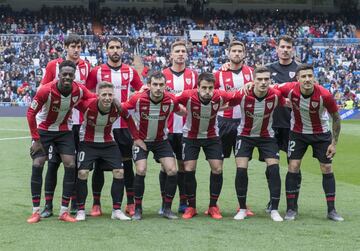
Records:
x=25, y=137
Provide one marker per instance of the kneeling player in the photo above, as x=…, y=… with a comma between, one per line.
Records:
x=97, y=143
x=255, y=131
x=150, y=111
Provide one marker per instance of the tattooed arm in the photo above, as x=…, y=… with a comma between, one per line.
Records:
x=336, y=127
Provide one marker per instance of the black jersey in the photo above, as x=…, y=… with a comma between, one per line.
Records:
x=281, y=74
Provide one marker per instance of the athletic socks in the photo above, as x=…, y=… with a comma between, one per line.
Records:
x=181, y=185
x=241, y=185
x=97, y=184
x=162, y=181
x=129, y=180
x=216, y=181
x=299, y=178
x=170, y=189
x=82, y=192
x=117, y=192
x=274, y=185
x=291, y=188
x=36, y=183
x=328, y=183
x=68, y=185
x=190, y=188
x=50, y=182
x=139, y=187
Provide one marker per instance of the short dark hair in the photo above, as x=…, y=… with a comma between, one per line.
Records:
x=304, y=67
x=156, y=75
x=178, y=43
x=113, y=39
x=287, y=39
x=207, y=76
x=104, y=84
x=67, y=63
x=236, y=42
x=73, y=38
x=261, y=69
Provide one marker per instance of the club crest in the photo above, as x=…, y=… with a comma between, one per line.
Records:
x=74, y=99
x=314, y=104
x=188, y=81
x=125, y=75
x=247, y=77
x=82, y=71
x=291, y=74
x=269, y=105
x=112, y=119
x=165, y=108
x=215, y=106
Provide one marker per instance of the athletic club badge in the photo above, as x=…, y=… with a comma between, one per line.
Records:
x=112, y=119
x=247, y=77
x=188, y=81
x=165, y=108
x=314, y=104
x=125, y=76
x=215, y=106
x=291, y=74
x=75, y=98
x=82, y=71
x=269, y=105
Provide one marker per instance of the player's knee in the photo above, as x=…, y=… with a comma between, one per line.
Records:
x=326, y=168
x=83, y=174
x=294, y=166
x=69, y=165
x=118, y=173
x=141, y=170
x=171, y=171
x=217, y=169
x=189, y=166
x=39, y=162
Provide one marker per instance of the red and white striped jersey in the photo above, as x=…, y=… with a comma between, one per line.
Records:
x=52, y=110
x=176, y=83
x=97, y=127
x=123, y=79
x=309, y=115
x=148, y=120
x=82, y=71
x=231, y=81
x=201, y=120
x=257, y=114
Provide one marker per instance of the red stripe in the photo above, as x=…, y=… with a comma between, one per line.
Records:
x=168, y=199
x=268, y=112
x=290, y=196
x=248, y=120
x=330, y=198
x=298, y=126
x=182, y=197
x=314, y=112
x=96, y=197
x=130, y=193
x=144, y=123
x=49, y=197
x=195, y=122
x=35, y=200
x=214, y=197
x=116, y=206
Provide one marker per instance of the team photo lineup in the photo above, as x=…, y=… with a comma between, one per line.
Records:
x=109, y=117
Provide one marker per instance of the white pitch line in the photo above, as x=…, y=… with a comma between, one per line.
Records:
x=25, y=137
x=12, y=129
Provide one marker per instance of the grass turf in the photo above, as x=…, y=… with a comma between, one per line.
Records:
x=311, y=231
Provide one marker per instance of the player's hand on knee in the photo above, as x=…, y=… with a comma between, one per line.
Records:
x=140, y=143
x=331, y=150
x=36, y=147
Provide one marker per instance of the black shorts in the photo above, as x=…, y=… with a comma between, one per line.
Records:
x=124, y=140
x=298, y=143
x=62, y=141
x=160, y=149
x=54, y=156
x=108, y=153
x=211, y=147
x=175, y=140
x=268, y=149
x=282, y=137
x=228, y=132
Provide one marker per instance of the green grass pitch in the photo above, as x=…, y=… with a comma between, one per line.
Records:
x=311, y=231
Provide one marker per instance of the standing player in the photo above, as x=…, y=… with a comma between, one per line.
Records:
x=233, y=79
x=72, y=45
x=311, y=103
x=200, y=131
x=50, y=123
x=150, y=111
x=283, y=71
x=178, y=79
x=97, y=143
x=255, y=131
x=123, y=77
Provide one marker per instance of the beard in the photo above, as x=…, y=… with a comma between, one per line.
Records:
x=115, y=58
